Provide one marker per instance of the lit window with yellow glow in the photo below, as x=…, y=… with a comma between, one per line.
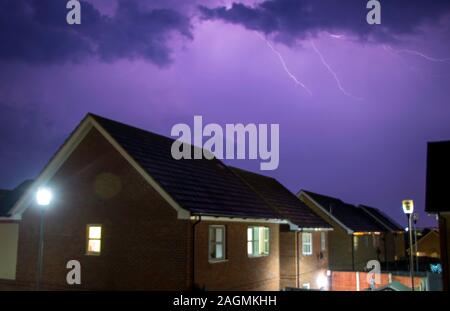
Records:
x=94, y=241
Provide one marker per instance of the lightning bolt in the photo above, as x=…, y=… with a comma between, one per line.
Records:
x=416, y=53
x=285, y=67
x=333, y=73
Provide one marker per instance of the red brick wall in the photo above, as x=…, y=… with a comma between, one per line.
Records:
x=309, y=267
x=347, y=280
x=238, y=272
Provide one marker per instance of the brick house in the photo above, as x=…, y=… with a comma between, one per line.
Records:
x=437, y=185
x=135, y=218
x=303, y=242
x=427, y=243
x=360, y=233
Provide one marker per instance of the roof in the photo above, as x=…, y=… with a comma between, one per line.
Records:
x=394, y=286
x=203, y=187
x=438, y=183
x=9, y=197
x=282, y=200
x=350, y=216
x=382, y=218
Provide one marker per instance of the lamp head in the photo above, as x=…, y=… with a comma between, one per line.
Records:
x=44, y=196
x=408, y=206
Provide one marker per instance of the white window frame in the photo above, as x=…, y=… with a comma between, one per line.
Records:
x=262, y=241
x=212, y=244
x=323, y=241
x=307, y=243
x=89, y=238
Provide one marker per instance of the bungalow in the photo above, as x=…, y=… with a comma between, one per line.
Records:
x=360, y=233
x=135, y=218
x=437, y=185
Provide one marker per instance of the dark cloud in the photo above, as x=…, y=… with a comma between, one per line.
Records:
x=289, y=20
x=36, y=32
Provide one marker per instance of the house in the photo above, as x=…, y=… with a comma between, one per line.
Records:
x=360, y=233
x=436, y=202
x=427, y=243
x=303, y=242
x=9, y=231
x=393, y=235
x=135, y=218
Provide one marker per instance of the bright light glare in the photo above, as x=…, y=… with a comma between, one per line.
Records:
x=322, y=281
x=44, y=196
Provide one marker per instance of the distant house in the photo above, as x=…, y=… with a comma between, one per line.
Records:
x=9, y=231
x=135, y=218
x=393, y=235
x=427, y=244
x=360, y=233
x=437, y=199
x=303, y=242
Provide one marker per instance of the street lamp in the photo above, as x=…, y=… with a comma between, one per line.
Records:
x=415, y=218
x=44, y=197
x=408, y=209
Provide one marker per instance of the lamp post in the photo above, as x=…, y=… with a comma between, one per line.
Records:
x=408, y=208
x=415, y=218
x=43, y=199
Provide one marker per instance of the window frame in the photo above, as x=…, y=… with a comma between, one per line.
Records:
x=310, y=243
x=212, y=244
x=265, y=242
x=88, y=239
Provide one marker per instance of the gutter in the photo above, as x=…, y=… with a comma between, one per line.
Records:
x=193, y=251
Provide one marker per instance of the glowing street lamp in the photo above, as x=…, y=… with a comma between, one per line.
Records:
x=44, y=198
x=408, y=209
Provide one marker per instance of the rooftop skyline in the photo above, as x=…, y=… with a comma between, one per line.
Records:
x=356, y=103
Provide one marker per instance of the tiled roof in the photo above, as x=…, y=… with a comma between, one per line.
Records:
x=9, y=197
x=391, y=224
x=284, y=201
x=351, y=216
x=204, y=187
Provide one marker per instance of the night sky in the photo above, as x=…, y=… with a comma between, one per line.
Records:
x=356, y=103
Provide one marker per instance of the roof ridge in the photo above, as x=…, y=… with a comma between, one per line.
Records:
x=96, y=116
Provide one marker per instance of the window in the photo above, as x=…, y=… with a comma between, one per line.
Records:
x=216, y=243
x=258, y=241
x=307, y=243
x=323, y=241
x=94, y=239
x=355, y=242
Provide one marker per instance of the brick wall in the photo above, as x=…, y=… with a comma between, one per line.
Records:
x=308, y=268
x=347, y=280
x=238, y=272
